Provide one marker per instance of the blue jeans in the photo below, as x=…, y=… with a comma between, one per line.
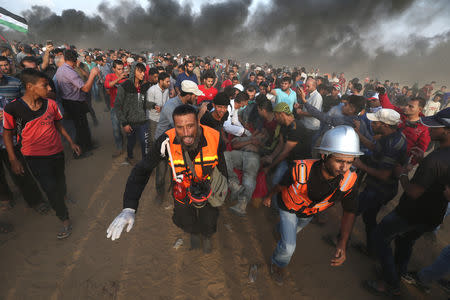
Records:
x=276, y=178
x=117, y=130
x=288, y=227
x=395, y=227
x=438, y=269
x=370, y=201
x=139, y=132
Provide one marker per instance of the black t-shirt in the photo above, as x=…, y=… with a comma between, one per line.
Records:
x=296, y=132
x=433, y=175
x=319, y=188
x=329, y=102
x=210, y=121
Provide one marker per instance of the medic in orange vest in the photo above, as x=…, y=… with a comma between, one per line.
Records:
x=311, y=186
x=187, y=147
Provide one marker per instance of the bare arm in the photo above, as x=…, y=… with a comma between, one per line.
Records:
x=88, y=85
x=16, y=166
x=347, y=222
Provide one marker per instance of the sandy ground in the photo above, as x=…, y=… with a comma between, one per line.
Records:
x=143, y=264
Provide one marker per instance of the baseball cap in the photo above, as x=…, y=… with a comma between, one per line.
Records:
x=441, y=119
x=189, y=86
x=385, y=115
x=239, y=86
x=282, y=107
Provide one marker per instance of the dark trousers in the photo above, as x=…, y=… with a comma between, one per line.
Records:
x=140, y=131
x=160, y=176
x=195, y=220
x=49, y=172
x=370, y=201
x=395, y=227
x=26, y=183
x=76, y=111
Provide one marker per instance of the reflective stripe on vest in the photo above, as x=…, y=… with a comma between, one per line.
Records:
x=295, y=197
x=206, y=157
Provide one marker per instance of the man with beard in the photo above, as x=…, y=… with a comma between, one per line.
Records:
x=188, y=74
x=189, y=143
x=188, y=95
x=285, y=94
x=219, y=114
x=207, y=87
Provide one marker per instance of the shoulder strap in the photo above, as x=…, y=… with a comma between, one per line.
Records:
x=189, y=163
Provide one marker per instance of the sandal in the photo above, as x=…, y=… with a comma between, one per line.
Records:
x=373, y=287
x=64, y=233
x=43, y=208
x=6, y=227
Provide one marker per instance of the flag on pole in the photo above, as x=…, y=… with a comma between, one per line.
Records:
x=13, y=21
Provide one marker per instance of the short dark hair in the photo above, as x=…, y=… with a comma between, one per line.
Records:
x=184, y=109
x=4, y=58
x=117, y=62
x=140, y=67
x=209, y=74
x=160, y=68
x=358, y=102
x=242, y=96
x=30, y=59
x=266, y=105
x=100, y=58
x=153, y=71
x=31, y=76
x=284, y=79
x=70, y=55
x=162, y=76
x=357, y=86
x=251, y=88
x=421, y=101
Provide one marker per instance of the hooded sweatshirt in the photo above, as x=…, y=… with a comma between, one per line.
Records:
x=130, y=102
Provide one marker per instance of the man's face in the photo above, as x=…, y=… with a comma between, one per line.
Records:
x=241, y=104
x=262, y=90
x=165, y=83
x=207, y=66
x=334, y=92
x=118, y=70
x=339, y=164
x=4, y=67
x=404, y=90
x=374, y=102
x=443, y=89
x=377, y=127
x=412, y=109
x=186, y=128
x=251, y=94
x=220, y=110
x=113, y=56
x=262, y=113
x=41, y=88
x=29, y=65
x=235, y=81
x=235, y=69
x=230, y=75
x=348, y=109
x=88, y=59
x=153, y=78
x=209, y=82
x=259, y=79
x=252, y=78
x=139, y=74
x=190, y=68
x=285, y=85
x=310, y=87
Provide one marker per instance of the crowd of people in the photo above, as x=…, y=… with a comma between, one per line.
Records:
x=218, y=131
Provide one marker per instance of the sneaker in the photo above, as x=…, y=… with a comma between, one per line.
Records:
x=413, y=278
x=277, y=274
x=64, y=233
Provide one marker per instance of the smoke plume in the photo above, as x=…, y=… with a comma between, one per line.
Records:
x=387, y=39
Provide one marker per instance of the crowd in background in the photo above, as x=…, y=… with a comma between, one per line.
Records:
x=268, y=117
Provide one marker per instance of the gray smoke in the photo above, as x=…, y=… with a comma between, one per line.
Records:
x=328, y=34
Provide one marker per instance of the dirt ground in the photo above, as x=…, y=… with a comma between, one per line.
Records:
x=143, y=264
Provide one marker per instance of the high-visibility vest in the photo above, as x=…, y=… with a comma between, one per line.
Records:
x=204, y=162
x=295, y=197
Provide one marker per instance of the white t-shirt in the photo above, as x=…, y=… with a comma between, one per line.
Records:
x=315, y=99
x=431, y=108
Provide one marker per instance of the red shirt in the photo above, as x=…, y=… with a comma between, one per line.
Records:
x=112, y=89
x=36, y=130
x=417, y=134
x=209, y=93
x=226, y=83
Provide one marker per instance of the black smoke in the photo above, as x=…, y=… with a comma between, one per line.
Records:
x=327, y=34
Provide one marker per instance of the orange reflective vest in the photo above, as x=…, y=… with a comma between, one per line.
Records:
x=206, y=158
x=295, y=197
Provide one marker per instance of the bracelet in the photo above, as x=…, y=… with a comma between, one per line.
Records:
x=403, y=174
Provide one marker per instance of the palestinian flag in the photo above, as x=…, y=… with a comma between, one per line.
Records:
x=13, y=21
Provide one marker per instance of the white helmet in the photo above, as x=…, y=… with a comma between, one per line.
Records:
x=341, y=139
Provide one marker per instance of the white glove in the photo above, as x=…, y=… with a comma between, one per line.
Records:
x=247, y=132
x=125, y=217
